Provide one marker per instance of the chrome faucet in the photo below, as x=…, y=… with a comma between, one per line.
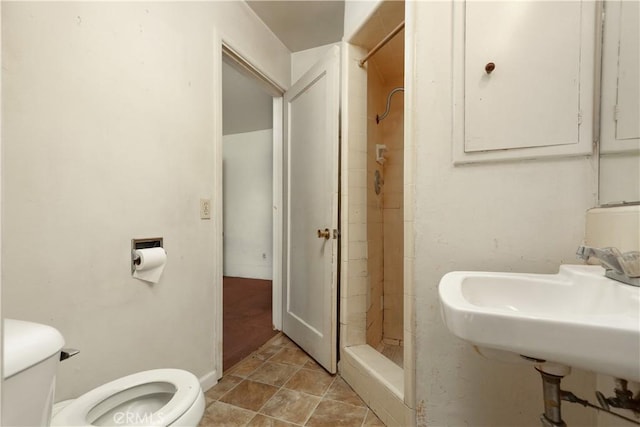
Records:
x=623, y=267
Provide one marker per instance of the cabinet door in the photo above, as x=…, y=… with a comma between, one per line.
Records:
x=526, y=77
x=620, y=130
x=620, y=104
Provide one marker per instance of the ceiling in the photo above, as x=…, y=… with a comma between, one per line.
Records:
x=301, y=25
x=246, y=107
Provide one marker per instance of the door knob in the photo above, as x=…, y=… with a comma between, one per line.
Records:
x=324, y=234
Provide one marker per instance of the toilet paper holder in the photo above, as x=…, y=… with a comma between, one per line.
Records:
x=153, y=242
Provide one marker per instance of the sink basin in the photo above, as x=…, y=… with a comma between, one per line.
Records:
x=576, y=317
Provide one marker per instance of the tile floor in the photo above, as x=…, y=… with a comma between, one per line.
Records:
x=280, y=385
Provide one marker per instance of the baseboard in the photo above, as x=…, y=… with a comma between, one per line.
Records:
x=207, y=381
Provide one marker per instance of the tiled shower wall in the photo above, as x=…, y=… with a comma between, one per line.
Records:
x=392, y=128
x=385, y=213
x=375, y=228
x=353, y=194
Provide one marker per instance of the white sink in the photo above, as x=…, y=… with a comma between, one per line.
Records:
x=576, y=317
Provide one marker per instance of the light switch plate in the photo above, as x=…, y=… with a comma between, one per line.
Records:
x=205, y=208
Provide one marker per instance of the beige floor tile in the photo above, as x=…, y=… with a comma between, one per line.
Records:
x=265, y=352
x=290, y=356
x=372, y=420
x=311, y=364
x=330, y=413
x=221, y=414
x=340, y=391
x=249, y=395
x=291, y=406
x=291, y=344
x=279, y=385
x=275, y=374
x=280, y=340
x=264, y=421
x=310, y=381
x=246, y=367
x=225, y=384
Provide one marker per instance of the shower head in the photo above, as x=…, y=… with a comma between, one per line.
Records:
x=380, y=118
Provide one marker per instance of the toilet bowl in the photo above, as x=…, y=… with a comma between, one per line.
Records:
x=160, y=397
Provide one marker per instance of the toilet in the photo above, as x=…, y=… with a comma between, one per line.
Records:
x=159, y=397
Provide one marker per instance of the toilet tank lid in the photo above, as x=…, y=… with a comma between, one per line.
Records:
x=26, y=344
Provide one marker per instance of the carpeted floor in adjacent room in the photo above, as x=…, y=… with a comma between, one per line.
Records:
x=247, y=318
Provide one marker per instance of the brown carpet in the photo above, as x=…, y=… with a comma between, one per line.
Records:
x=247, y=319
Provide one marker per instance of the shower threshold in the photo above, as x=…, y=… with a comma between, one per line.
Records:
x=392, y=351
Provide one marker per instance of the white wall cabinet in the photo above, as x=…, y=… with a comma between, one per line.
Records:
x=523, y=79
x=620, y=128
x=620, y=104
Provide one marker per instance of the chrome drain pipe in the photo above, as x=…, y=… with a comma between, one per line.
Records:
x=551, y=394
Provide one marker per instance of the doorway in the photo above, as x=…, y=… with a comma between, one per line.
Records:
x=305, y=118
x=247, y=210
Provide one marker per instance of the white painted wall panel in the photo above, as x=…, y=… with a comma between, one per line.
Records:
x=620, y=104
x=628, y=120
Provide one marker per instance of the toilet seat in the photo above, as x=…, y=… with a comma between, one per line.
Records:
x=183, y=385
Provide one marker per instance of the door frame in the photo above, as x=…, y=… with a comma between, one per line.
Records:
x=225, y=48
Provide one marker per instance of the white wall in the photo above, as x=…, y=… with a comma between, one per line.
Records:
x=514, y=216
x=248, y=202
x=302, y=60
x=356, y=13
x=619, y=178
x=239, y=26
x=1, y=314
x=110, y=113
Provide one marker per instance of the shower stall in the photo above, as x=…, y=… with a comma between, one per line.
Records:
x=376, y=303
x=385, y=226
x=384, y=65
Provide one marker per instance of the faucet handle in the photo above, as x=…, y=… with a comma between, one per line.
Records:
x=583, y=252
x=626, y=264
x=609, y=257
x=630, y=263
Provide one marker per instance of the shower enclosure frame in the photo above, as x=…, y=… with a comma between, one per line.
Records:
x=388, y=389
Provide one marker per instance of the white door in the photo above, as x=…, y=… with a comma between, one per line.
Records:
x=311, y=125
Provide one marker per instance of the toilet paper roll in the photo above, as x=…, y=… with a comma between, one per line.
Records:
x=151, y=266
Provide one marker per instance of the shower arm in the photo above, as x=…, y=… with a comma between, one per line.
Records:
x=380, y=118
